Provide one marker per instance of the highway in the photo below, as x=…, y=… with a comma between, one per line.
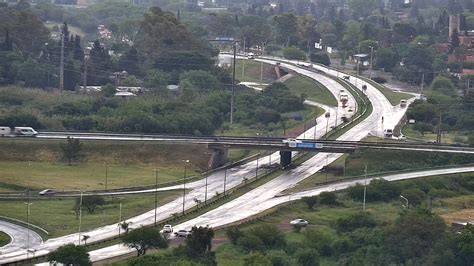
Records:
x=19, y=236
x=250, y=203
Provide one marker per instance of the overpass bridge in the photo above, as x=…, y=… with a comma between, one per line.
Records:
x=220, y=144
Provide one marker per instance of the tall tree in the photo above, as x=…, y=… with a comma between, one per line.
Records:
x=144, y=239
x=71, y=149
x=71, y=254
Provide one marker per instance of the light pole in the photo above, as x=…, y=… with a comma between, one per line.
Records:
x=207, y=174
x=402, y=197
x=327, y=157
x=258, y=156
x=80, y=217
x=315, y=126
x=225, y=179
x=365, y=186
x=184, y=182
x=327, y=115
x=28, y=204
x=337, y=110
x=106, y=175
x=156, y=192
x=120, y=213
x=371, y=61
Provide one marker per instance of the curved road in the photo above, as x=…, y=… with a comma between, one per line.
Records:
x=19, y=236
x=247, y=205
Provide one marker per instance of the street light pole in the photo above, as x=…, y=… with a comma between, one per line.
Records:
x=80, y=217
x=28, y=204
x=371, y=61
x=327, y=115
x=365, y=186
x=106, y=175
x=156, y=192
x=207, y=174
x=315, y=126
x=184, y=182
x=233, y=86
x=225, y=179
x=120, y=214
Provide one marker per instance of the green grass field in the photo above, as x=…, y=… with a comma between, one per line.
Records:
x=58, y=218
x=446, y=137
x=39, y=163
x=323, y=218
x=252, y=71
x=314, y=90
x=393, y=96
x=4, y=239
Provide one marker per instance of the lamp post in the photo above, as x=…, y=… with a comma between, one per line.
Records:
x=120, y=213
x=402, y=197
x=184, y=182
x=315, y=126
x=327, y=115
x=106, y=175
x=365, y=186
x=207, y=174
x=225, y=179
x=28, y=204
x=258, y=156
x=80, y=217
x=156, y=192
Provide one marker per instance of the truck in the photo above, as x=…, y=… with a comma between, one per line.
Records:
x=344, y=98
x=6, y=131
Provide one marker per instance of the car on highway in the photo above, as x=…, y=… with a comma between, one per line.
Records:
x=47, y=192
x=182, y=233
x=402, y=137
x=300, y=222
x=167, y=228
x=292, y=143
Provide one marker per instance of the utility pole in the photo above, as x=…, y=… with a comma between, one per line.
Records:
x=243, y=61
x=371, y=61
x=61, y=66
x=86, y=61
x=156, y=192
x=365, y=185
x=233, y=86
x=438, y=135
x=422, y=83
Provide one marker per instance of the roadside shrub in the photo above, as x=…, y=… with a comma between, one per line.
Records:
x=319, y=240
x=294, y=53
x=380, y=80
x=307, y=257
x=328, y=198
x=354, y=221
x=256, y=258
x=250, y=242
x=377, y=190
x=320, y=58
x=269, y=235
x=233, y=234
x=415, y=196
x=310, y=201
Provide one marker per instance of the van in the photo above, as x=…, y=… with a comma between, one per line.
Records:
x=5, y=131
x=403, y=103
x=25, y=131
x=250, y=56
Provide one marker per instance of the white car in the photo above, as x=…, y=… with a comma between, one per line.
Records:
x=300, y=222
x=182, y=233
x=47, y=192
x=167, y=228
x=292, y=143
x=402, y=137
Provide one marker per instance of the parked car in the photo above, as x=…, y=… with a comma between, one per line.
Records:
x=167, y=228
x=402, y=137
x=300, y=222
x=182, y=233
x=47, y=192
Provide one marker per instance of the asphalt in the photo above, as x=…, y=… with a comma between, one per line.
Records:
x=249, y=204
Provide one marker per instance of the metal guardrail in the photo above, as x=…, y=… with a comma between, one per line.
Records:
x=23, y=223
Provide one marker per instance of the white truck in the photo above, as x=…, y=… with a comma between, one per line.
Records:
x=17, y=132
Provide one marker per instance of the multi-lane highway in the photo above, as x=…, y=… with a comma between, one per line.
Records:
x=250, y=203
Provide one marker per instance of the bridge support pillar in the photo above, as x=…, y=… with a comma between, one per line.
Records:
x=219, y=157
x=285, y=158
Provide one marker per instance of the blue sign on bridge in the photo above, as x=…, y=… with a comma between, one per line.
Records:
x=306, y=145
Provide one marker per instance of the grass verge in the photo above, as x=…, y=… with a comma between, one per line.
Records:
x=393, y=96
x=313, y=90
x=4, y=239
x=251, y=71
x=58, y=217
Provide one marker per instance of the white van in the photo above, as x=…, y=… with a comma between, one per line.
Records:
x=25, y=131
x=250, y=56
x=5, y=131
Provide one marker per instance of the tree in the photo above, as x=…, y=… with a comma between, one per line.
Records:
x=328, y=198
x=90, y=202
x=386, y=58
x=108, y=90
x=307, y=257
x=71, y=149
x=100, y=65
x=199, y=242
x=443, y=85
x=156, y=79
x=413, y=234
x=286, y=26
x=233, y=234
x=293, y=53
x=71, y=255
x=310, y=201
x=320, y=58
x=199, y=80
x=143, y=239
